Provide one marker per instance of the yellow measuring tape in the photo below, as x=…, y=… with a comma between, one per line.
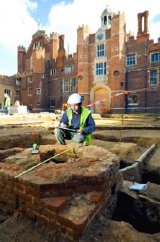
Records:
x=43, y=162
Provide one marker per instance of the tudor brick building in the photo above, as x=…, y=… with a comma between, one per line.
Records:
x=111, y=69
x=142, y=69
x=42, y=72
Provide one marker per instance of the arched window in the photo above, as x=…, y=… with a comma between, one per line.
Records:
x=105, y=20
x=109, y=19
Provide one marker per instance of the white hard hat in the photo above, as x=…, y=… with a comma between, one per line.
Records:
x=74, y=99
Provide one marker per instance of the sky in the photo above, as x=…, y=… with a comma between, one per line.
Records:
x=20, y=19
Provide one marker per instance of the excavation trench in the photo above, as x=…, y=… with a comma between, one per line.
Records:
x=136, y=212
x=139, y=207
x=67, y=192
x=64, y=192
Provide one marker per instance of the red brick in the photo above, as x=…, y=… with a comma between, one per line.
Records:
x=97, y=196
x=55, y=203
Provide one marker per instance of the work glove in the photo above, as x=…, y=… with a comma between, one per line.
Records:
x=62, y=125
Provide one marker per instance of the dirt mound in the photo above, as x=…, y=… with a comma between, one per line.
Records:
x=26, y=230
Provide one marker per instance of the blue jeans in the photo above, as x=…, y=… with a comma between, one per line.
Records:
x=6, y=110
x=62, y=134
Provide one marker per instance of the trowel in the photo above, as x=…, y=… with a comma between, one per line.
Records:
x=35, y=149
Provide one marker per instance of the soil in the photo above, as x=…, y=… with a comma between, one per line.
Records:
x=21, y=228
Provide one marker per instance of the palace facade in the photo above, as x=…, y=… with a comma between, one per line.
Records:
x=112, y=70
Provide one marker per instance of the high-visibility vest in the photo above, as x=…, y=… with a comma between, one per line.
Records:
x=84, y=115
x=7, y=102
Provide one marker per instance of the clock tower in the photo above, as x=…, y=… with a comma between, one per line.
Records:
x=106, y=18
x=101, y=63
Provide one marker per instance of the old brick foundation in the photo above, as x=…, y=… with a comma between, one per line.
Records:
x=65, y=193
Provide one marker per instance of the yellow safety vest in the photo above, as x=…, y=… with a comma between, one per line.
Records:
x=7, y=102
x=84, y=115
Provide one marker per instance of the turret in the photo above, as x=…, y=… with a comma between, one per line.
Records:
x=117, y=60
x=21, y=59
x=61, y=53
x=54, y=40
x=83, y=62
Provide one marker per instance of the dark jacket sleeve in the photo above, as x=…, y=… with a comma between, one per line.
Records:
x=90, y=125
x=64, y=119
